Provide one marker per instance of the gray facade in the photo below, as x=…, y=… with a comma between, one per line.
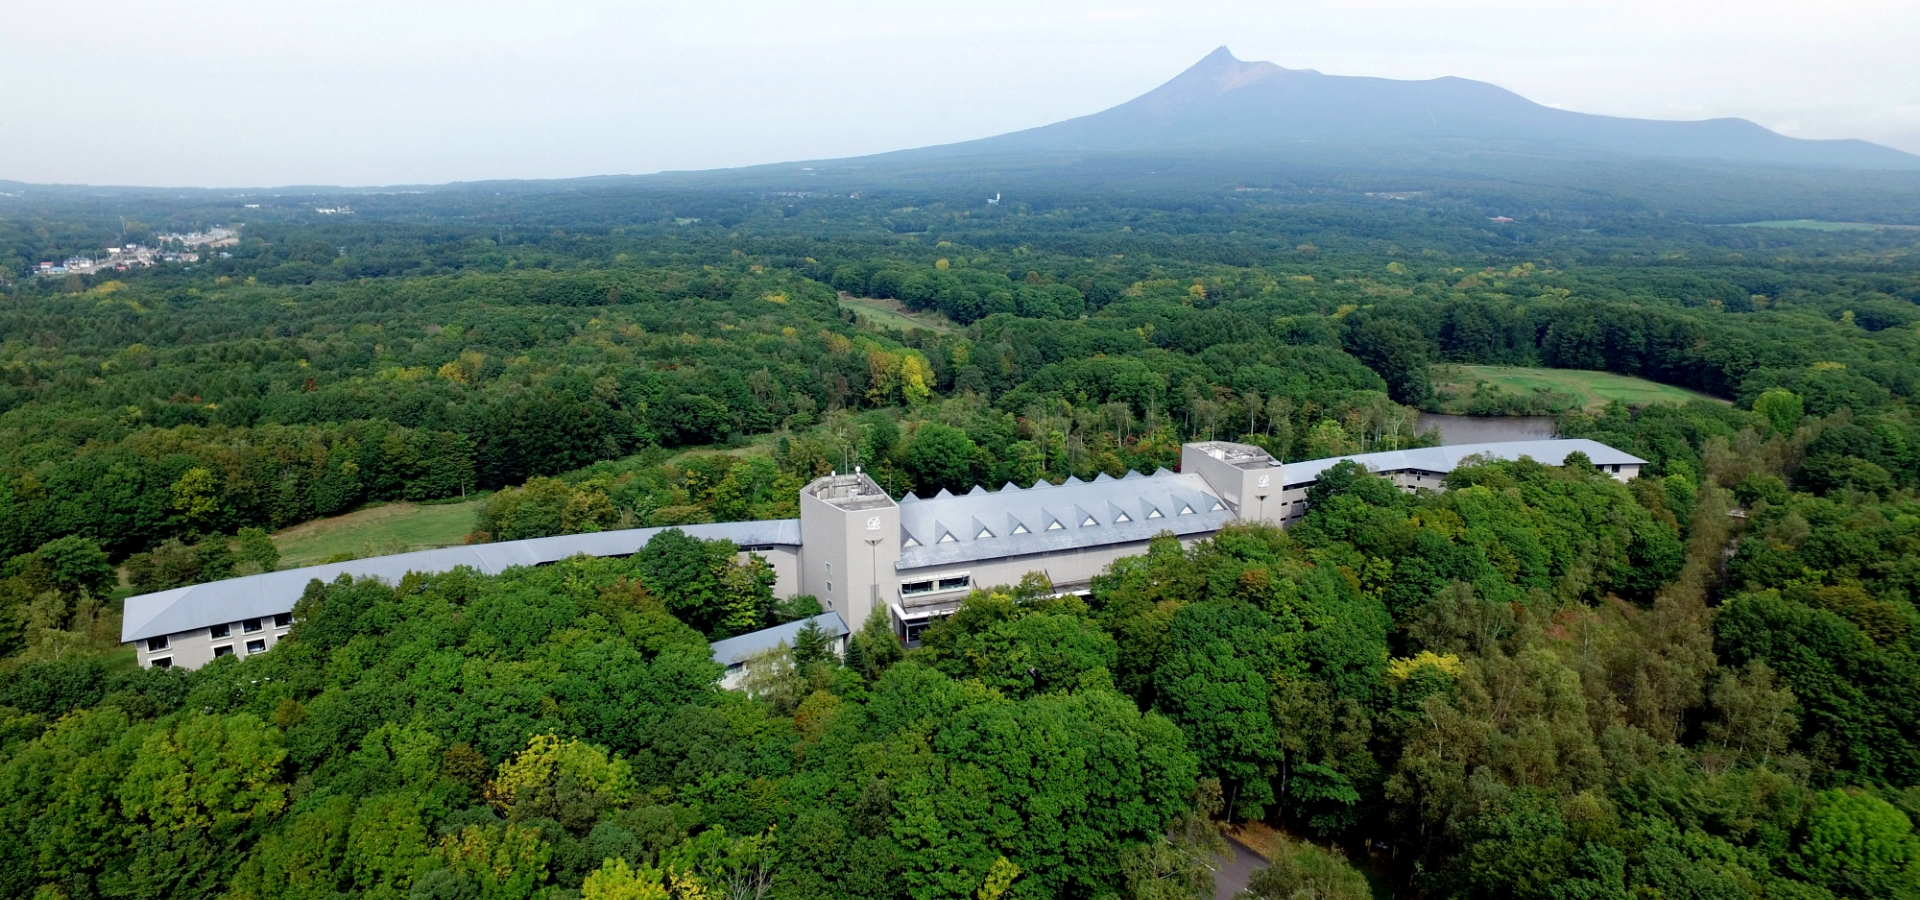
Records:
x=856, y=549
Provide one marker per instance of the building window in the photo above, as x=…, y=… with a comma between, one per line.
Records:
x=958, y=582
x=156, y=643
x=223, y=650
x=220, y=631
x=164, y=662
x=256, y=646
x=282, y=620
x=829, y=568
x=911, y=588
x=829, y=587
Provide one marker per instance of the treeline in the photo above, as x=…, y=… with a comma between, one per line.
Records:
x=1537, y=682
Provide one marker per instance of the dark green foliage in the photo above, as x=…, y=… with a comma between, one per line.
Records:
x=940, y=457
x=1539, y=683
x=704, y=585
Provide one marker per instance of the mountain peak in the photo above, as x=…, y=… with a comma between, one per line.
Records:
x=1216, y=73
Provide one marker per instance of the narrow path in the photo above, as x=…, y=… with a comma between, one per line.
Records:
x=1233, y=869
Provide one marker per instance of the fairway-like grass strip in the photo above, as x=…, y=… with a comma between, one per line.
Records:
x=378, y=531
x=1565, y=388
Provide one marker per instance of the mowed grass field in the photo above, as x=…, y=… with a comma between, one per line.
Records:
x=378, y=531
x=1591, y=390
x=891, y=314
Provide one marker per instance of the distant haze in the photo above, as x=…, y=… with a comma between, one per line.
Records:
x=223, y=93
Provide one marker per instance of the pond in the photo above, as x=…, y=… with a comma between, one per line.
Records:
x=1483, y=429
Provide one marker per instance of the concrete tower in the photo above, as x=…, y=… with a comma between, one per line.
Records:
x=1243, y=475
x=849, y=542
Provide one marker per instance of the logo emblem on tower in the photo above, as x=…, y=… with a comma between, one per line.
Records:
x=1262, y=482
x=873, y=524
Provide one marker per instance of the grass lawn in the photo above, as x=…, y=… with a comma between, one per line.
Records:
x=378, y=531
x=1566, y=387
x=890, y=314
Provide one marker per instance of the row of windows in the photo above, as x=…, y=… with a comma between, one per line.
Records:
x=247, y=626
x=258, y=645
x=933, y=586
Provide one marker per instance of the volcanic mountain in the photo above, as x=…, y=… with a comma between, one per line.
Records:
x=1225, y=107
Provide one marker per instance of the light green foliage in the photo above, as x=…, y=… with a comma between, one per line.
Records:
x=615, y=880
x=1781, y=408
x=542, y=507
x=1301, y=871
x=208, y=772
x=257, y=552
x=1858, y=845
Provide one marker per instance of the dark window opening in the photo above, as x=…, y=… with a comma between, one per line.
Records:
x=164, y=662
x=250, y=626
x=954, y=584
x=157, y=643
x=282, y=620
x=223, y=650
x=256, y=646
x=220, y=631
x=916, y=587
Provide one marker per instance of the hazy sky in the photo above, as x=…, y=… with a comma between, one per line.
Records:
x=229, y=93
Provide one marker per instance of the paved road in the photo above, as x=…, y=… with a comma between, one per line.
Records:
x=1230, y=875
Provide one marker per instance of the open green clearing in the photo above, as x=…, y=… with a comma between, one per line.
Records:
x=1818, y=225
x=1518, y=389
x=892, y=314
x=378, y=531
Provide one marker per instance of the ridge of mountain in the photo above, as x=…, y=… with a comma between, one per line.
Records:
x=1224, y=106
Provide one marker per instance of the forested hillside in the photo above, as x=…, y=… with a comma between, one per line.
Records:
x=1540, y=683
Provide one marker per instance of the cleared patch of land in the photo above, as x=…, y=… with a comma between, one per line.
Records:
x=377, y=531
x=1516, y=390
x=893, y=314
x=1818, y=225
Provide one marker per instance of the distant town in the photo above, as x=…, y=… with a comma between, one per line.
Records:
x=172, y=248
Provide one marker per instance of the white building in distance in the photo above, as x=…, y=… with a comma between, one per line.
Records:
x=857, y=549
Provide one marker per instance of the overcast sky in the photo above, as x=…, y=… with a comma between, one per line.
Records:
x=360, y=92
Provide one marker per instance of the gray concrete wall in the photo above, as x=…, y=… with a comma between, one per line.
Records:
x=848, y=547
x=196, y=648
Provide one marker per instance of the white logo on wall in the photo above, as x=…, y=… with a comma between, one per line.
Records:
x=1262, y=482
x=873, y=524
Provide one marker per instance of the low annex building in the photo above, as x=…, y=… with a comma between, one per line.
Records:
x=857, y=549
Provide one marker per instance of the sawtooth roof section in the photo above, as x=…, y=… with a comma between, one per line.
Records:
x=258, y=596
x=1069, y=504
x=1446, y=459
x=739, y=649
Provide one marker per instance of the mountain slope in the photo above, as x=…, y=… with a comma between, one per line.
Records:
x=1224, y=106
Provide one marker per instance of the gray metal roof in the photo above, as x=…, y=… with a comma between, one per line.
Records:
x=1446, y=459
x=1045, y=518
x=258, y=596
x=744, y=647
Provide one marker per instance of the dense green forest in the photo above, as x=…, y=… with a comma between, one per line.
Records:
x=1539, y=683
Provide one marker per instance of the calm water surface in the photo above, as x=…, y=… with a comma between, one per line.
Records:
x=1481, y=429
